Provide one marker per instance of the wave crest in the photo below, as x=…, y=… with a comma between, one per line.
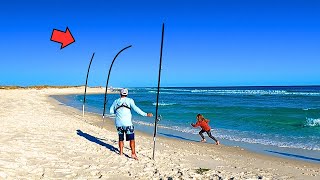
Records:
x=164, y=104
x=311, y=122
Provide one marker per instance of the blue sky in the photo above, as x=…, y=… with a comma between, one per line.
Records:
x=207, y=42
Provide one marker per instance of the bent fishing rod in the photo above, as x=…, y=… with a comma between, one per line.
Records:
x=105, y=94
x=157, y=117
x=85, y=88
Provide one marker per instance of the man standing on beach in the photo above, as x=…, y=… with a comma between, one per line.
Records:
x=122, y=108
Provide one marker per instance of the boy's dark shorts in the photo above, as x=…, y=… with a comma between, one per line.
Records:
x=128, y=130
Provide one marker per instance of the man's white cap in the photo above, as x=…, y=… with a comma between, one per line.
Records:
x=124, y=92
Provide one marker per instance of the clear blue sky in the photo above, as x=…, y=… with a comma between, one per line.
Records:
x=207, y=42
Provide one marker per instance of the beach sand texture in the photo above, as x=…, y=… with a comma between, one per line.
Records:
x=43, y=139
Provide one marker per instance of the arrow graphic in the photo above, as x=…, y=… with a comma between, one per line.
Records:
x=65, y=38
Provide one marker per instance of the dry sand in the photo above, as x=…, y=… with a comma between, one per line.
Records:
x=42, y=139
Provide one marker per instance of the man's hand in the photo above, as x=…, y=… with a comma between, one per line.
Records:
x=149, y=114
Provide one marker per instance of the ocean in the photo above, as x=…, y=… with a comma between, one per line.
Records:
x=281, y=121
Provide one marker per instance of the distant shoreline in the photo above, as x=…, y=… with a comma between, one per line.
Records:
x=77, y=86
x=41, y=87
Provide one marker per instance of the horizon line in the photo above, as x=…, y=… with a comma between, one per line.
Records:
x=66, y=86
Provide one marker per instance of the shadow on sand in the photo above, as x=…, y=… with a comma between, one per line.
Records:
x=97, y=141
x=177, y=137
x=294, y=155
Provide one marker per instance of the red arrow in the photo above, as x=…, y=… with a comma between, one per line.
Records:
x=65, y=38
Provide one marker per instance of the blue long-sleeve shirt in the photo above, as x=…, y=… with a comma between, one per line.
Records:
x=123, y=114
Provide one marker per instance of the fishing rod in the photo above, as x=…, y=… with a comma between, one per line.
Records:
x=158, y=117
x=85, y=88
x=105, y=94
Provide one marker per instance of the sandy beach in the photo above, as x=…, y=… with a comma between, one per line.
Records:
x=42, y=139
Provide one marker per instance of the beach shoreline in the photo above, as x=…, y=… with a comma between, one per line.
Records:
x=228, y=124
x=55, y=141
x=109, y=125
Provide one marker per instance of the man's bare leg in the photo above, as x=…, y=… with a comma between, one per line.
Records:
x=121, y=144
x=133, y=149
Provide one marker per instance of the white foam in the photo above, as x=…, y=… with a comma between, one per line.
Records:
x=161, y=92
x=235, y=92
x=143, y=123
x=271, y=142
x=164, y=104
x=312, y=122
x=230, y=135
x=255, y=92
x=260, y=92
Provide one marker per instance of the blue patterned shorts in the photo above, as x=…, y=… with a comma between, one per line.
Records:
x=128, y=130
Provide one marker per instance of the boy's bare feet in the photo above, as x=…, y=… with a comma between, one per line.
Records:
x=217, y=143
x=203, y=140
x=134, y=156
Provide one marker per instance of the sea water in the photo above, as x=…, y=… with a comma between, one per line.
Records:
x=282, y=121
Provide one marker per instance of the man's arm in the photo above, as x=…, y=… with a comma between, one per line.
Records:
x=136, y=109
x=112, y=107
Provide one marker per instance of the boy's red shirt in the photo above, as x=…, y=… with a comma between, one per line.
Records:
x=203, y=124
